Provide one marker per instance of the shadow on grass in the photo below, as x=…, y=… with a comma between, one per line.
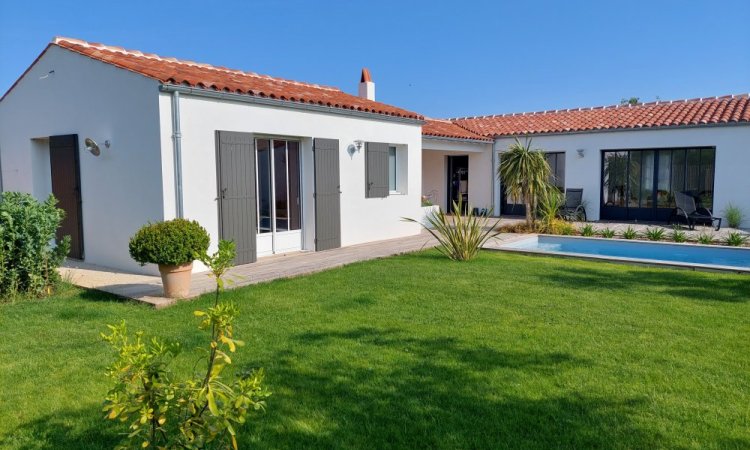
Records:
x=406, y=392
x=66, y=430
x=682, y=283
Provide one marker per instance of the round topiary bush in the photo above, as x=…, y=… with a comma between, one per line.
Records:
x=171, y=243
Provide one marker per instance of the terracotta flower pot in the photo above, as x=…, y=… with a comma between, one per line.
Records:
x=176, y=279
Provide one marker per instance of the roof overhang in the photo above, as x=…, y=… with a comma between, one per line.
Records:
x=243, y=98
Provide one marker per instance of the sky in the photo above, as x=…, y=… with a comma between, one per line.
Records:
x=438, y=58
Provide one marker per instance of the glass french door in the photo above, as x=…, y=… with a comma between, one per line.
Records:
x=279, y=200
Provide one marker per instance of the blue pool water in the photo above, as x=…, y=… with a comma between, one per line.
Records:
x=684, y=254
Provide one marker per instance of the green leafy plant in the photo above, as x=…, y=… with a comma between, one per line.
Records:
x=201, y=412
x=587, y=230
x=525, y=174
x=461, y=236
x=426, y=201
x=550, y=202
x=28, y=264
x=705, y=238
x=629, y=233
x=678, y=235
x=173, y=242
x=735, y=239
x=654, y=234
x=607, y=233
x=733, y=215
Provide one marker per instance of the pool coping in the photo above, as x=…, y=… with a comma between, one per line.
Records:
x=626, y=260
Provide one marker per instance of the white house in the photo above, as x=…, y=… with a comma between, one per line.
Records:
x=122, y=138
x=628, y=159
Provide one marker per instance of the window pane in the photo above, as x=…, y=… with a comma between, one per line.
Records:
x=706, y=194
x=693, y=179
x=295, y=214
x=264, y=186
x=678, y=171
x=634, y=180
x=280, y=185
x=615, y=175
x=647, y=179
x=392, y=169
x=665, y=195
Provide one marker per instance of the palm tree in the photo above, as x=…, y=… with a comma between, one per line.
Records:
x=525, y=174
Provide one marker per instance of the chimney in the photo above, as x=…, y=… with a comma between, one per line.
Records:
x=366, y=86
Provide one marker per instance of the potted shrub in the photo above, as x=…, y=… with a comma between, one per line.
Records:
x=173, y=245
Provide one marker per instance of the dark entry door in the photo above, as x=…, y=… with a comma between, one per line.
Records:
x=327, y=194
x=66, y=187
x=458, y=182
x=238, y=215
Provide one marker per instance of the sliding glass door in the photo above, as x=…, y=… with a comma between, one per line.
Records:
x=640, y=184
x=279, y=206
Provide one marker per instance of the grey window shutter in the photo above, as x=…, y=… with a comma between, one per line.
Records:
x=376, y=170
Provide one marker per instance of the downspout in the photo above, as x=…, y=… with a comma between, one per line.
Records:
x=177, y=153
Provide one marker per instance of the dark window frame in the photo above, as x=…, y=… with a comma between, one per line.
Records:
x=653, y=212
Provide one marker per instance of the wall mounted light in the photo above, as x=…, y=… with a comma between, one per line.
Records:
x=93, y=148
x=581, y=152
x=355, y=147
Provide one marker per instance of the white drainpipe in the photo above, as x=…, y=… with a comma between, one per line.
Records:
x=177, y=153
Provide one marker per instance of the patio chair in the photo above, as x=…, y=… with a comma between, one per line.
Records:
x=685, y=210
x=573, y=209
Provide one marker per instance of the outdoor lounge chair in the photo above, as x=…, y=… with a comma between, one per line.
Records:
x=685, y=210
x=573, y=209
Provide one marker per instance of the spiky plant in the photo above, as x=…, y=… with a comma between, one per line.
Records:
x=460, y=236
x=525, y=174
x=607, y=233
x=655, y=234
x=587, y=230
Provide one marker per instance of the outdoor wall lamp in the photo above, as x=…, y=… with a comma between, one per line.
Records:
x=93, y=147
x=356, y=147
x=581, y=152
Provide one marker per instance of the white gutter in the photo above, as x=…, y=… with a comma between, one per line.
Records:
x=177, y=153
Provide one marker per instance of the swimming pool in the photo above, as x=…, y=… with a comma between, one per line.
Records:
x=682, y=255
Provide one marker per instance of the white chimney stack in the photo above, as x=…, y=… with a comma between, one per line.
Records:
x=366, y=86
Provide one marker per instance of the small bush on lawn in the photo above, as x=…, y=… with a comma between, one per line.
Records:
x=204, y=411
x=733, y=214
x=655, y=234
x=735, y=239
x=587, y=230
x=461, y=236
x=28, y=264
x=174, y=242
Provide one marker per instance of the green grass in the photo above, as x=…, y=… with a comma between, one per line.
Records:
x=417, y=351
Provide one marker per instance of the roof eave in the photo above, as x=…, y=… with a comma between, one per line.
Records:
x=612, y=130
x=265, y=101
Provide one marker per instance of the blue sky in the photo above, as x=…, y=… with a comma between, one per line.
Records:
x=438, y=58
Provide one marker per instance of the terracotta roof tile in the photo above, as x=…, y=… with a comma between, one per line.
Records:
x=448, y=129
x=206, y=76
x=698, y=111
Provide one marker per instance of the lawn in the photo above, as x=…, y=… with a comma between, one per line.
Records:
x=416, y=351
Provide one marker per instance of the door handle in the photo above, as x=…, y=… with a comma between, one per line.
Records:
x=222, y=195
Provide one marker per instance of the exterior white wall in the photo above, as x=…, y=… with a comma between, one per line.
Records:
x=121, y=189
x=732, y=183
x=435, y=172
x=362, y=219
